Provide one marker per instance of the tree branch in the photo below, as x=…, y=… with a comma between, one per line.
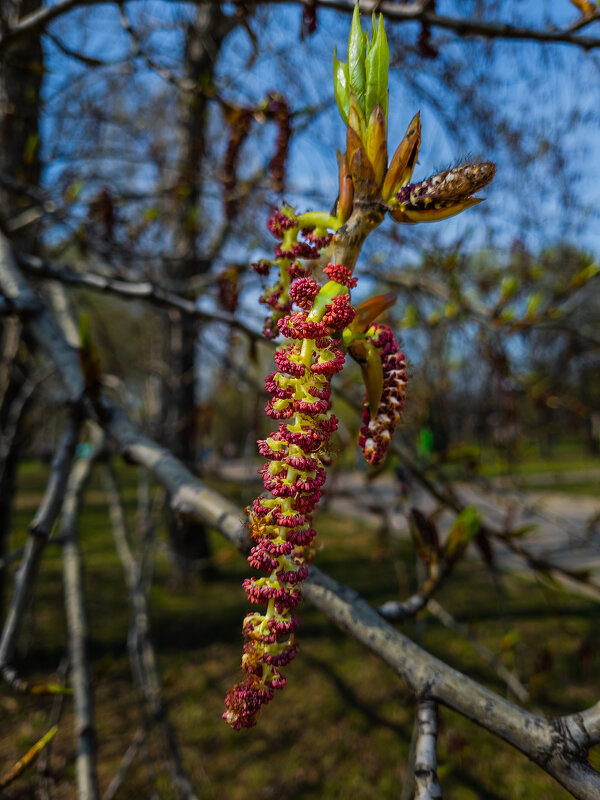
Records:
x=511, y=680
x=143, y=290
x=141, y=648
x=425, y=772
x=39, y=531
x=85, y=729
x=126, y=762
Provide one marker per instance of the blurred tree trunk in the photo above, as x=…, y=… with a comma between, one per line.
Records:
x=204, y=38
x=21, y=73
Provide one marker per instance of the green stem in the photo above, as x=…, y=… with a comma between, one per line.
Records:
x=318, y=219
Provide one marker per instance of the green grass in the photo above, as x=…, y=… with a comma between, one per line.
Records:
x=565, y=456
x=342, y=726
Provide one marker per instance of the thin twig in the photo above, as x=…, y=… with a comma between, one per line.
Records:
x=399, y=610
x=492, y=659
x=58, y=702
x=23, y=763
x=85, y=729
x=39, y=532
x=140, y=643
x=132, y=290
x=126, y=762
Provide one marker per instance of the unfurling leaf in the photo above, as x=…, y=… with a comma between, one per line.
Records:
x=341, y=86
x=49, y=688
x=508, y=287
x=377, y=63
x=346, y=190
x=584, y=275
x=533, y=303
x=357, y=51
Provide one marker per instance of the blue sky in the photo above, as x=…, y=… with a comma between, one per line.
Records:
x=552, y=90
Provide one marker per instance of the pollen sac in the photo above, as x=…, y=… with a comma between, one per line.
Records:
x=294, y=473
x=379, y=424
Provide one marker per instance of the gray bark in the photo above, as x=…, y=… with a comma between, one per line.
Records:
x=85, y=729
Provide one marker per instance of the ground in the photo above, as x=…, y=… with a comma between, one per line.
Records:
x=342, y=726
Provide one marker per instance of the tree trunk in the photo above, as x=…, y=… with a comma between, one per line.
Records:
x=203, y=41
x=21, y=72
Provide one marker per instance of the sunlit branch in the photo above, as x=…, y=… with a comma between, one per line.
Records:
x=425, y=769
x=398, y=610
x=85, y=729
x=142, y=290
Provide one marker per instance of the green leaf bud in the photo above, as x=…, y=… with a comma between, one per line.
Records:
x=357, y=52
x=341, y=85
x=377, y=64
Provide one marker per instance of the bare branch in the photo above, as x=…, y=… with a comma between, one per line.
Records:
x=17, y=408
x=55, y=715
x=143, y=290
x=141, y=648
x=492, y=659
x=407, y=788
x=47, y=333
x=85, y=729
x=126, y=762
x=426, y=780
x=540, y=738
x=36, y=20
x=584, y=729
x=39, y=531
